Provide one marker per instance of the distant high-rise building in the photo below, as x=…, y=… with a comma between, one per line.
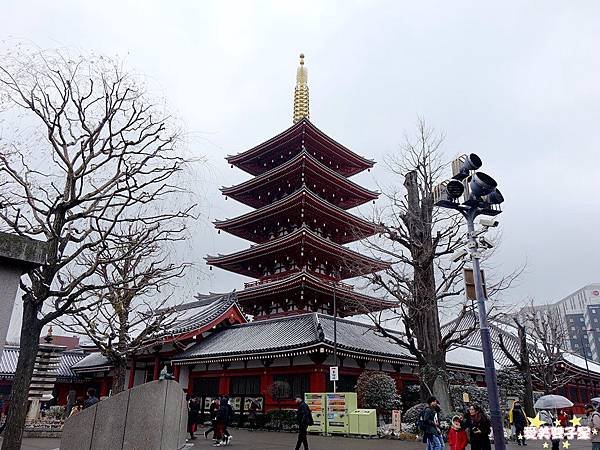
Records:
x=580, y=312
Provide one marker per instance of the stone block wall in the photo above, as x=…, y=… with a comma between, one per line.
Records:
x=152, y=416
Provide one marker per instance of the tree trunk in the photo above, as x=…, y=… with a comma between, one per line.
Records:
x=434, y=383
x=526, y=371
x=29, y=344
x=119, y=373
x=423, y=311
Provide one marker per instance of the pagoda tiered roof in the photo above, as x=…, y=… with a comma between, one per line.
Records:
x=281, y=148
x=302, y=170
x=303, y=206
x=301, y=247
x=304, y=291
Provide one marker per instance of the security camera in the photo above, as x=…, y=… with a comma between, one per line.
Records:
x=489, y=223
x=459, y=254
x=483, y=242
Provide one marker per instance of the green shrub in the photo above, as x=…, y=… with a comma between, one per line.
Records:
x=284, y=419
x=377, y=390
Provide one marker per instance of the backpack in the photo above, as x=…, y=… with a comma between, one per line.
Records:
x=311, y=421
x=420, y=423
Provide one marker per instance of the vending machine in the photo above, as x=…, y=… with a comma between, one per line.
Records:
x=339, y=407
x=316, y=403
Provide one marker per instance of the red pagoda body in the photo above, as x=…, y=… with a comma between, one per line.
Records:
x=302, y=193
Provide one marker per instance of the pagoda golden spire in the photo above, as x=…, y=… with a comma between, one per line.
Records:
x=301, y=109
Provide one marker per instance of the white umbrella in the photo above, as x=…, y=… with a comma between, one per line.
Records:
x=552, y=402
x=596, y=400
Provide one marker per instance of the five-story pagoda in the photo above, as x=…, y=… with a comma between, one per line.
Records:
x=302, y=193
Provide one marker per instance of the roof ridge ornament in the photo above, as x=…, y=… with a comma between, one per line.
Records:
x=301, y=106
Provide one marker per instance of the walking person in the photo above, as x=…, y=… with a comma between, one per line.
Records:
x=213, y=409
x=224, y=415
x=479, y=429
x=193, y=416
x=432, y=433
x=91, y=398
x=304, y=419
x=519, y=421
x=457, y=435
x=252, y=413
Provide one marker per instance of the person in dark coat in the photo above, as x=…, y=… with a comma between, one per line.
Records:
x=193, y=416
x=91, y=398
x=213, y=409
x=224, y=416
x=252, y=413
x=520, y=422
x=479, y=427
x=432, y=433
x=304, y=419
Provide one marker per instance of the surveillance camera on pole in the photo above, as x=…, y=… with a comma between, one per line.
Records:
x=488, y=223
x=459, y=254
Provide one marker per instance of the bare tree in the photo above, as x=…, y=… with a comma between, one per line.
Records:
x=129, y=313
x=94, y=154
x=422, y=279
x=520, y=360
x=548, y=339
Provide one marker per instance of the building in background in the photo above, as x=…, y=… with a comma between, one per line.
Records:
x=580, y=312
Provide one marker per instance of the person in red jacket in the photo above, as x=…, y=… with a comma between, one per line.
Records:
x=457, y=435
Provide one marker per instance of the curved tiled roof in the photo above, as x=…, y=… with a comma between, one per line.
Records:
x=241, y=226
x=293, y=332
x=207, y=308
x=190, y=317
x=306, y=163
x=302, y=238
x=10, y=356
x=303, y=130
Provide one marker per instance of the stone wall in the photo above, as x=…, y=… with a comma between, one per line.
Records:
x=152, y=416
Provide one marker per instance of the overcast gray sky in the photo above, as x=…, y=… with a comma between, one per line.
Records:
x=516, y=82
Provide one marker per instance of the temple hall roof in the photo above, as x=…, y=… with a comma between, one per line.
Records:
x=192, y=318
x=10, y=356
x=309, y=333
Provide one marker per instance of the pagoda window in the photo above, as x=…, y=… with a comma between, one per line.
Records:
x=279, y=267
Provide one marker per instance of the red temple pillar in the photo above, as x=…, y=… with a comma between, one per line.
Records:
x=317, y=380
x=176, y=372
x=156, y=368
x=224, y=385
x=131, y=374
x=265, y=381
x=104, y=386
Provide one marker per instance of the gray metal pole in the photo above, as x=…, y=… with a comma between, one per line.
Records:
x=587, y=368
x=334, y=336
x=486, y=341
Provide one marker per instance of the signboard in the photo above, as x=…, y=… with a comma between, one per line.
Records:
x=396, y=422
x=470, y=284
x=466, y=397
x=334, y=374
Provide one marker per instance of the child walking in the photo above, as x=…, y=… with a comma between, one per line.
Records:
x=457, y=435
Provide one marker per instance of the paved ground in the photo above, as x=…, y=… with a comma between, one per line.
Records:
x=260, y=440
x=39, y=444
